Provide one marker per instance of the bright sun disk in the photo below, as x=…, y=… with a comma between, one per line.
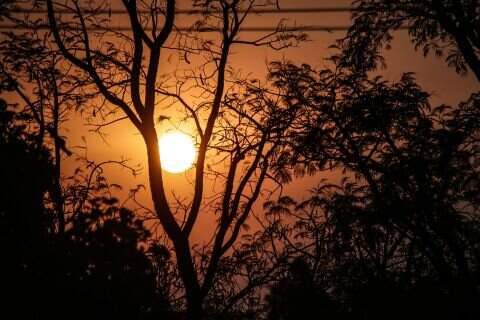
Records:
x=177, y=152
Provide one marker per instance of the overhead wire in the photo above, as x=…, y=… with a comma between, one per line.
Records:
x=197, y=11
x=304, y=28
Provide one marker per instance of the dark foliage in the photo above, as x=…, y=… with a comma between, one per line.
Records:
x=398, y=237
x=297, y=296
x=98, y=267
x=447, y=28
x=403, y=224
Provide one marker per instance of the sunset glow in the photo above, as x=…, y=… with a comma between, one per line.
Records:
x=177, y=152
x=240, y=159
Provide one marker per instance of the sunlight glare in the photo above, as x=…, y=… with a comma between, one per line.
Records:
x=177, y=152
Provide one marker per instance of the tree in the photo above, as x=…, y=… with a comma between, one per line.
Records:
x=92, y=266
x=406, y=213
x=436, y=26
x=403, y=222
x=297, y=296
x=247, y=135
x=47, y=92
x=17, y=184
x=65, y=240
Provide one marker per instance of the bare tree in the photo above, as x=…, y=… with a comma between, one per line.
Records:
x=46, y=91
x=236, y=121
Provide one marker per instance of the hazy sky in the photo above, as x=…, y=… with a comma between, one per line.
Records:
x=432, y=74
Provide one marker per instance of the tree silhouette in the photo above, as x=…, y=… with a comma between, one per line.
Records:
x=48, y=91
x=131, y=82
x=441, y=27
x=298, y=297
x=397, y=236
x=406, y=213
x=99, y=265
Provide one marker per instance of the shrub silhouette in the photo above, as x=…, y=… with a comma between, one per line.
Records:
x=98, y=267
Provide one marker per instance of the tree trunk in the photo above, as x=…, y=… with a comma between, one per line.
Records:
x=180, y=241
x=194, y=309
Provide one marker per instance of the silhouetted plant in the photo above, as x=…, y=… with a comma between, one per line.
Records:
x=48, y=91
x=441, y=27
x=397, y=237
x=297, y=295
x=242, y=137
x=102, y=264
x=406, y=212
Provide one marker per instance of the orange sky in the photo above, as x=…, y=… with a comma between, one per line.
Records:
x=125, y=143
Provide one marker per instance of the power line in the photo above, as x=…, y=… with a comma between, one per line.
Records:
x=194, y=11
x=206, y=29
x=307, y=28
x=311, y=28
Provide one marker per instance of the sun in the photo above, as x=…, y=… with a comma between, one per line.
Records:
x=177, y=152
